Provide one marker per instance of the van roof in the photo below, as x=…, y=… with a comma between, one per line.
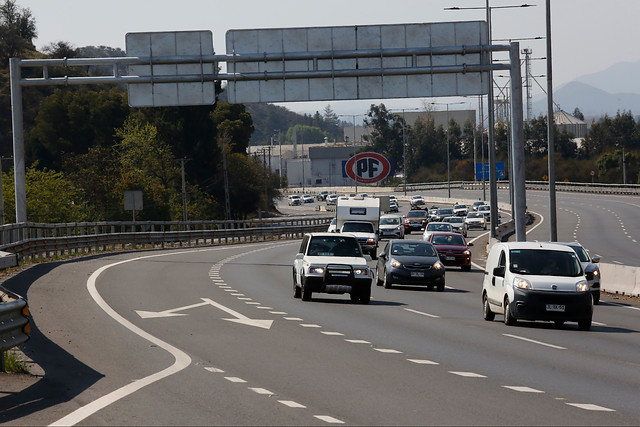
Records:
x=537, y=245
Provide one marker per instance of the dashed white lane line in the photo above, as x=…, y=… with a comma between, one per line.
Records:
x=423, y=362
x=261, y=391
x=467, y=374
x=332, y=333
x=235, y=379
x=328, y=419
x=278, y=312
x=291, y=404
x=297, y=319
x=310, y=325
x=387, y=350
x=557, y=347
x=214, y=370
x=422, y=314
x=522, y=389
x=591, y=407
x=358, y=341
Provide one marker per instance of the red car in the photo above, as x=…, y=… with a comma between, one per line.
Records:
x=453, y=249
x=415, y=220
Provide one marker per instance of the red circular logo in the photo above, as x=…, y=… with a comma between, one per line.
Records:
x=368, y=167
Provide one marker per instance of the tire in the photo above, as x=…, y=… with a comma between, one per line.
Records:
x=487, y=314
x=559, y=323
x=306, y=292
x=379, y=281
x=365, y=295
x=440, y=286
x=596, y=297
x=466, y=268
x=374, y=254
x=297, y=292
x=387, y=282
x=509, y=320
x=584, y=325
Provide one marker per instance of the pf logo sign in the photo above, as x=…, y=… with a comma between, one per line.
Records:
x=367, y=167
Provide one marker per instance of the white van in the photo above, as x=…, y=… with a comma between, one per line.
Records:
x=536, y=281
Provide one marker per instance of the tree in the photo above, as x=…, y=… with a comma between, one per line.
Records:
x=17, y=31
x=51, y=197
x=386, y=135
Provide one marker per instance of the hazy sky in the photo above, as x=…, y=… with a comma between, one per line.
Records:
x=588, y=35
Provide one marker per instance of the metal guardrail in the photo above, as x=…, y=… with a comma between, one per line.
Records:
x=14, y=322
x=579, y=187
x=34, y=241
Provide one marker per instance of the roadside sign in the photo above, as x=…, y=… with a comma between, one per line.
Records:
x=480, y=170
x=367, y=167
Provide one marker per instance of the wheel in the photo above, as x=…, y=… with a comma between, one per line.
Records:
x=297, y=292
x=374, y=254
x=509, y=320
x=365, y=295
x=466, y=268
x=559, y=323
x=596, y=297
x=487, y=314
x=387, y=282
x=440, y=286
x=306, y=292
x=585, y=324
x=378, y=279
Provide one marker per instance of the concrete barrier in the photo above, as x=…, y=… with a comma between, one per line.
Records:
x=620, y=279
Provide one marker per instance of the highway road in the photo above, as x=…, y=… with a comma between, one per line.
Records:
x=213, y=336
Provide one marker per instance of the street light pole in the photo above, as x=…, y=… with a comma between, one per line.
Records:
x=553, y=224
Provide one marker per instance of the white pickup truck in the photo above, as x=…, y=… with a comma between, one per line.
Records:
x=332, y=263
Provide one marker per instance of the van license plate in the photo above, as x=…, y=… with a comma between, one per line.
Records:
x=555, y=307
x=450, y=258
x=417, y=274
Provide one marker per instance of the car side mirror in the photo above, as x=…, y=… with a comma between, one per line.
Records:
x=300, y=256
x=469, y=244
x=382, y=255
x=498, y=271
x=595, y=259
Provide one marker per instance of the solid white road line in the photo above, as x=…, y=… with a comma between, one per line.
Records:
x=557, y=347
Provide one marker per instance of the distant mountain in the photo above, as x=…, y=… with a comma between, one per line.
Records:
x=619, y=78
x=592, y=101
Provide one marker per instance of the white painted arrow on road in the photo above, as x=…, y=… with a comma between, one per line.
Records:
x=238, y=318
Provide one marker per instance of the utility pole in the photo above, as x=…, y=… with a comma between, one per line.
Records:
x=184, y=189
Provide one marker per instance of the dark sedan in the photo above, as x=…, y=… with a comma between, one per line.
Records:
x=410, y=262
x=453, y=249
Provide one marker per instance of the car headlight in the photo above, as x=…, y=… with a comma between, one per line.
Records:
x=467, y=252
x=521, y=283
x=316, y=270
x=582, y=286
x=361, y=271
x=395, y=263
x=371, y=241
x=438, y=265
x=596, y=273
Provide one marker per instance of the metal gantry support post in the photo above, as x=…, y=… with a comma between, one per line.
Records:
x=18, y=141
x=517, y=138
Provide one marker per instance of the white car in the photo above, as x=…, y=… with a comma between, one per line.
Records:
x=436, y=227
x=457, y=223
x=475, y=220
x=536, y=281
x=331, y=199
x=460, y=210
x=391, y=226
x=294, y=200
x=307, y=198
x=332, y=263
x=416, y=201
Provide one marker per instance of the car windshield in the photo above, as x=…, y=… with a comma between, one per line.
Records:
x=447, y=239
x=582, y=254
x=445, y=212
x=334, y=246
x=413, y=249
x=438, y=227
x=416, y=214
x=357, y=227
x=454, y=219
x=544, y=262
x=475, y=215
x=461, y=207
x=390, y=221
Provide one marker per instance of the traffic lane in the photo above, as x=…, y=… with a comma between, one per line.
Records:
x=460, y=337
